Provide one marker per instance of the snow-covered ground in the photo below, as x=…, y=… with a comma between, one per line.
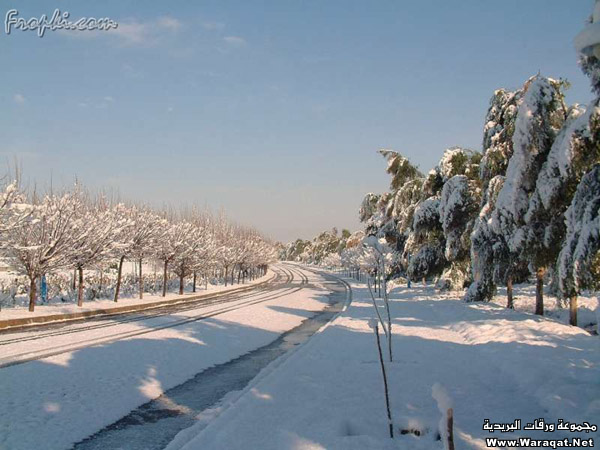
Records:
x=56, y=401
x=106, y=304
x=588, y=311
x=495, y=364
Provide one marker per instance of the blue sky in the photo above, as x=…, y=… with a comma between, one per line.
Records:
x=271, y=110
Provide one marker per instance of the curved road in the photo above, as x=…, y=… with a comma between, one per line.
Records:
x=18, y=347
x=91, y=382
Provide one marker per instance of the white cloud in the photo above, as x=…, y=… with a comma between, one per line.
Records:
x=109, y=99
x=132, y=32
x=19, y=99
x=235, y=41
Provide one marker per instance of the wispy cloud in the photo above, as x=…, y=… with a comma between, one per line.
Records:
x=19, y=99
x=135, y=32
x=104, y=102
x=146, y=32
x=130, y=71
x=235, y=41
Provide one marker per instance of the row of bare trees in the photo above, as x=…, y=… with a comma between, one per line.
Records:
x=75, y=231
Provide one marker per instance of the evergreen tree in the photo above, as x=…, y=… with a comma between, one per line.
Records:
x=486, y=246
x=458, y=209
x=540, y=116
x=579, y=259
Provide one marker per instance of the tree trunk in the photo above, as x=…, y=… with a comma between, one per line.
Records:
x=74, y=279
x=539, y=291
x=32, y=293
x=226, y=275
x=509, y=293
x=119, y=272
x=181, y=278
x=375, y=281
x=232, y=275
x=155, y=278
x=80, y=287
x=164, y=290
x=573, y=311
x=141, y=281
x=385, y=384
x=194, y=283
x=450, y=428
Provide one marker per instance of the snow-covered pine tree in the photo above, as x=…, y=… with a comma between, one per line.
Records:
x=576, y=163
x=497, y=150
x=485, y=245
x=587, y=43
x=368, y=207
x=424, y=247
x=579, y=259
x=497, y=134
x=453, y=212
x=399, y=168
x=391, y=214
x=573, y=152
x=426, y=242
x=459, y=204
x=540, y=115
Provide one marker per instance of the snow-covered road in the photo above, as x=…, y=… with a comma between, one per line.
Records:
x=59, y=385
x=495, y=364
